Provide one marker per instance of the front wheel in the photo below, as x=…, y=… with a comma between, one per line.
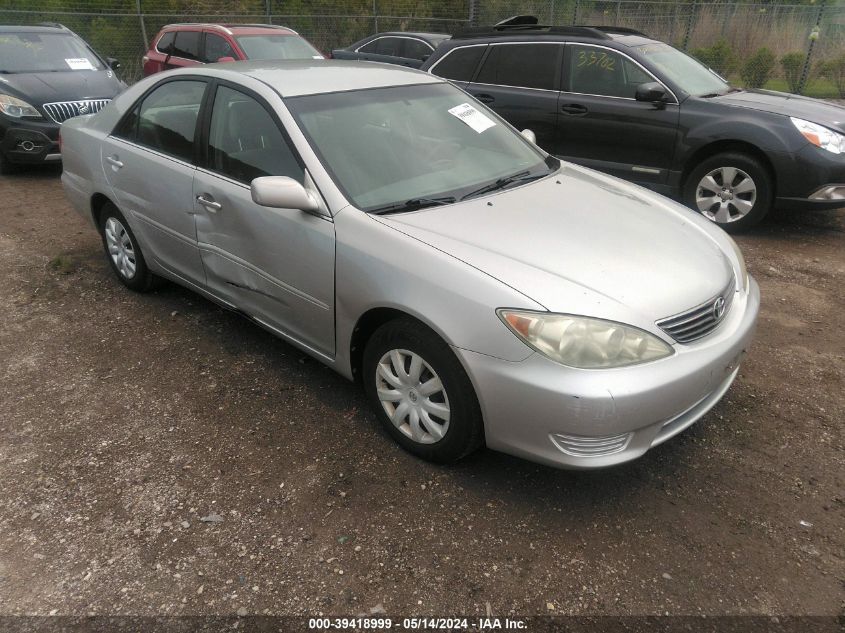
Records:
x=421, y=393
x=733, y=190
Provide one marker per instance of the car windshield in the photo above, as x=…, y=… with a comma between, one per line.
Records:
x=45, y=52
x=424, y=143
x=277, y=47
x=690, y=74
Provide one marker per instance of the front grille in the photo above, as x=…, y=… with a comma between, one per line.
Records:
x=701, y=320
x=63, y=110
x=581, y=446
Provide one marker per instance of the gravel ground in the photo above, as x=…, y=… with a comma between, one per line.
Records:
x=160, y=456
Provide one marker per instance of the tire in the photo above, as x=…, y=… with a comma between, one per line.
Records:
x=123, y=252
x=737, y=204
x=449, y=424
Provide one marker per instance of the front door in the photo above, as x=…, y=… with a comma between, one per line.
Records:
x=602, y=125
x=277, y=265
x=148, y=162
x=520, y=82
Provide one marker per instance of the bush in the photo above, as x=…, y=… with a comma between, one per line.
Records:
x=793, y=64
x=720, y=57
x=758, y=68
x=834, y=70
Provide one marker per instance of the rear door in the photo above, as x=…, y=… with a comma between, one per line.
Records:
x=603, y=126
x=275, y=264
x=149, y=164
x=521, y=82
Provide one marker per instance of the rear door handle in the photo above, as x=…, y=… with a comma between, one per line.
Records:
x=211, y=205
x=485, y=98
x=114, y=162
x=573, y=108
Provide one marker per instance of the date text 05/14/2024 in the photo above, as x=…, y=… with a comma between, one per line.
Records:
x=417, y=624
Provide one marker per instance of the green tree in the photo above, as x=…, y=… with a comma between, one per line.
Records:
x=758, y=68
x=793, y=64
x=720, y=57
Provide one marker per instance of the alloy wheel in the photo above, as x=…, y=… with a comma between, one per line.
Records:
x=726, y=194
x=413, y=396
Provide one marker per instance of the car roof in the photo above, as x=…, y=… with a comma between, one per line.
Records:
x=420, y=34
x=296, y=78
x=619, y=35
x=234, y=29
x=35, y=29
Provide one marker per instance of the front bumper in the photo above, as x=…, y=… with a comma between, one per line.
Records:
x=29, y=141
x=571, y=418
x=802, y=176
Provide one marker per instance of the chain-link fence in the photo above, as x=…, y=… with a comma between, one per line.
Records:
x=789, y=47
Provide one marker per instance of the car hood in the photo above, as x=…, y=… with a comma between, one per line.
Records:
x=41, y=88
x=582, y=242
x=814, y=110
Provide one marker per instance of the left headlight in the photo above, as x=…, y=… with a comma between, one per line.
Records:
x=820, y=136
x=17, y=108
x=584, y=342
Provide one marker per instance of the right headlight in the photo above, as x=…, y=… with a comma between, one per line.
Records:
x=584, y=342
x=17, y=108
x=743, y=271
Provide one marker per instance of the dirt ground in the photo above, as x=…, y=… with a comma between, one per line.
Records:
x=126, y=419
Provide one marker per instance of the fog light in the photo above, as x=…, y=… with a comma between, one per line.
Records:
x=596, y=446
x=28, y=146
x=830, y=192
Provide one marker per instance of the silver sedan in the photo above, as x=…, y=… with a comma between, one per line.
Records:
x=385, y=222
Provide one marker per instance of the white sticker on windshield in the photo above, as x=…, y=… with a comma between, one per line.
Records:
x=80, y=64
x=472, y=117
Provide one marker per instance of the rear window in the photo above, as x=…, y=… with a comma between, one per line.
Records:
x=459, y=65
x=187, y=45
x=522, y=65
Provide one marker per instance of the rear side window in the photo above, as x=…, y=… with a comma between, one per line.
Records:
x=166, y=119
x=217, y=47
x=522, y=65
x=165, y=42
x=187, y=45
x=460, y=64
x=245, y=142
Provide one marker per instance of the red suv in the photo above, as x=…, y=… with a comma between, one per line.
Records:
x=181, y=45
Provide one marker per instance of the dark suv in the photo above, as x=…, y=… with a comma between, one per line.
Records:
x=618, y=101
x=48, y=74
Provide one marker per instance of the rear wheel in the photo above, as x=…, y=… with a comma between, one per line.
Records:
x=733, y=190
x=123, y=251
x=421, y=393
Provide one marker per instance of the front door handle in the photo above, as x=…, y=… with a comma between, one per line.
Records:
x=574, y=108
x=485, y=98
x=211, y=205
x=114, y=162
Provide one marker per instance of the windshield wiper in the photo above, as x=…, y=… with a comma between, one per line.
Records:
x=412, y=205
x=501, y=183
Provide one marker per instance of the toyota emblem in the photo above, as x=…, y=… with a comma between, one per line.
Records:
x=719, y=308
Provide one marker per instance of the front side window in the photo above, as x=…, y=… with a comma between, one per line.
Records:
x=522, y=65
x=416, y=49
x=166, y=119
x=690, y=74
x=217, y=47
x=245, y=143
x=390, y=145
x=187, y=45
x=277, y=47
x=460, y=64
x=45, y=52
x=603, y=72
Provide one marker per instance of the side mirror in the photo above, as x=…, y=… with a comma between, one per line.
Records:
x=529, y=134
x=223, y=60
x=281, y=192
x=651, y=92
x=112, y=63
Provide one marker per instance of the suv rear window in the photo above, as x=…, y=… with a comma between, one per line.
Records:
x=522, y=65
x=460, y=64
x=187, y=45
